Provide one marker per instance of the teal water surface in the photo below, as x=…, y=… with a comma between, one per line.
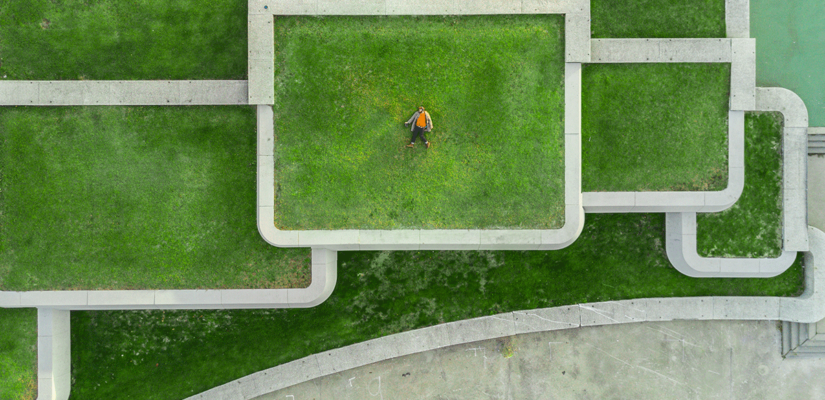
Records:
x=790, y=49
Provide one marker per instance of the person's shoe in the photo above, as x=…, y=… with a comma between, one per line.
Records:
x=411, y=145
x=427, y=144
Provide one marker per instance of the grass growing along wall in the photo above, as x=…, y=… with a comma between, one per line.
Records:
x=122, y=40
x=655, y=127
x=658, y=19
x=494, y=86
x=18, y=353
x=135, y=198
x=175, y=354
x=752, y=227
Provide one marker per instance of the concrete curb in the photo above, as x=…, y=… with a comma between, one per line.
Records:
x=122, y=93
x=661, y=50
x=324, y=276
x=639, y=202
x=794, y=162
x=680, y=244
x=810, y=307
x=423, y=239
x=416, y=7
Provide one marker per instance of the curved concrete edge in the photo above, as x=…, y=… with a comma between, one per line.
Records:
x=681, y=251
x=324, y=276
x=123, y=93
x=646, y=202
x=794, y=162
x=810, y=307
x=785, y=101
x=425, y=239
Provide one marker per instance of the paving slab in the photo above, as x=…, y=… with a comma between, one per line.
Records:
x=13, y=93
x=737, y=18
x=660, y=50
x=577, y=38
x=743, y=74
x=816, y=191
x=792, y=107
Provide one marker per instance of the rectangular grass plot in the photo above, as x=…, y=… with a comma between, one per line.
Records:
x=344, y=86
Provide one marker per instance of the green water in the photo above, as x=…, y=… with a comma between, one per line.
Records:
x=790, y=49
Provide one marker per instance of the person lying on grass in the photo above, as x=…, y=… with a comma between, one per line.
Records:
x=421, y=123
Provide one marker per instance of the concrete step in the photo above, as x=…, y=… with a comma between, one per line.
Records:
x=816, y=150
x=809, y=349
x=794, y=354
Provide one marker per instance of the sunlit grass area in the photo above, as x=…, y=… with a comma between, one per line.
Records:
x=494, y=86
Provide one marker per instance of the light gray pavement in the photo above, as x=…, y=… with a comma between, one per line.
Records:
x=816, y=191
x=650, y=360
x=122, y=93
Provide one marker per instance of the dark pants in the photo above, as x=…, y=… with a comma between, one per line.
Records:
x=418, y=131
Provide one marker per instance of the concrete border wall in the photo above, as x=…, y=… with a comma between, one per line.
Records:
x=324, y=276
x=660, y=50
x=638, y=202
x=122, y=93
x=53, y=354
x=794, y=162
x=423, y=239
x=680, y=244
x=808, y=308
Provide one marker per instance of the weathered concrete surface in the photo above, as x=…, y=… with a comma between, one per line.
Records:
x=816, y=191
x=651, y=360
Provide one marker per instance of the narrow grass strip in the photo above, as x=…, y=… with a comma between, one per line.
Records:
x=18, y=354
x=126, y=40
x=135, y=198
x=753, y=226
x=494, y=86
x=658, y=18
x=175, y=354
x=655, y=127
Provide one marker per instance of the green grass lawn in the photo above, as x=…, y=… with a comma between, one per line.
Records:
x=134, y=198
x=658, y=19
x=753, y=226
x=654, y=127
x=18, y=354
x=122, y=40
x=494, y=86
x=175, y=354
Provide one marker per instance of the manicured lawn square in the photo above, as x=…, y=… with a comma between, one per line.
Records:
x=134, y=198
x=655, y=127
x=494, y=86
x=122, y=40
x=658, y=18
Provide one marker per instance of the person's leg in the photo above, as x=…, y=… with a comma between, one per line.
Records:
x=424, y=138
x=416, y=132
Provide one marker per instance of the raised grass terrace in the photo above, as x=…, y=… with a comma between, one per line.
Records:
x=494, y=86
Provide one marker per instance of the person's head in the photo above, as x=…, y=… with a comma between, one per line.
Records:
x=420, y=109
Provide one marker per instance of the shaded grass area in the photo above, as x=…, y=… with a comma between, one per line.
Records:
x=658, y=19
x=494, y=86
x=654, y=127
x=175, y=354
x=135, y=198
x=753, y=226
x=108, y=39
x=18, y=353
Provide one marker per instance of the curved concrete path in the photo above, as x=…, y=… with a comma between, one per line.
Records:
x=808, y=308
x=652, y=360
